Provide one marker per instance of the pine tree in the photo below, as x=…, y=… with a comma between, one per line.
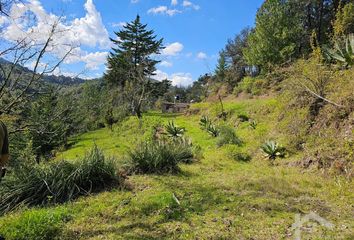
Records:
x=131, y=63
x=222, y=67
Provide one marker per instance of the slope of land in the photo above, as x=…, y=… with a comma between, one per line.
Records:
x=220, y=198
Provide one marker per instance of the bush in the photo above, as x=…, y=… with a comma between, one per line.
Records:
x=213, y=130
x=205, y=122
x=228, y=136
x=34, y=224
x=250, y=85
x=207, y=125
x=57, y=182
x=160, y=157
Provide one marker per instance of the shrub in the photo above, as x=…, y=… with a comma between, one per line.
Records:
x=213, y=130
x=34, y=224
x=228, y=136
x=174, y=131
x=207, y=125
x=57, y=182
x=159, y=157
x=250, y=85
x=273, y=150
x=253, y=124
x=205, y=122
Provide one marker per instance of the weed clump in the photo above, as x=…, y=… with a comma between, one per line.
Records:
x=228, y=136
x=207, y=125
x=160, y=157
x=57, y=182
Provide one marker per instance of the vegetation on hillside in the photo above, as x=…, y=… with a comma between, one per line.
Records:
x=281, y=93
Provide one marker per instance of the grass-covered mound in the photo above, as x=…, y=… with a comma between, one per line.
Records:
x=57, y=182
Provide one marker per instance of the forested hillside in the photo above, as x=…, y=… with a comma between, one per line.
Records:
x=268, y=136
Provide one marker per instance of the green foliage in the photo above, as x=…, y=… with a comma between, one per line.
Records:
x=253, y=124
x=35, y=224
x=57, y=182
x=277, y=35
x=238, y=154
x=228, y=136
x=221, y=68
x=250, y=85
x=273, y=150
x=343, y=52
x=235, y=57
x=159, y=157
x=204, y=122
x=207, y=125
x=173, y=131
x=344, y=22
x=213, y=130
x=131, y=64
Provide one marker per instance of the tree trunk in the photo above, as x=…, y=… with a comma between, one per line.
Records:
x=320, y=20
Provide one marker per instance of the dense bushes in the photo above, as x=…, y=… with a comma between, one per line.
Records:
x=57, y=182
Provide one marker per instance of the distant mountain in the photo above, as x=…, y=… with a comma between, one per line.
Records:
x=60, y=80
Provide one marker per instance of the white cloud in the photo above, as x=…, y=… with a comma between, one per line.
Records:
x=160, y=75
x=86, y=31
x=134, y=1
x=163, y=10
x=178, y=79
x=190, y=4
x=119, y=24
x=202, y=55
x=166, y=64
x=172, y=49
x=94, y=60
x=174, y=2
x=90, y=29
x=181, y=79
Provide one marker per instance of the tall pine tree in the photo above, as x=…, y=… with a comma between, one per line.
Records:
x=131, y=63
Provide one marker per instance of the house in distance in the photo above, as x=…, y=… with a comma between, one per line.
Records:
x=168, y=107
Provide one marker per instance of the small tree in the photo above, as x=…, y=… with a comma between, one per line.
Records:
x=222, y=67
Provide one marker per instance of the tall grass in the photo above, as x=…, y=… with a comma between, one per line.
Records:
x=57, y=182
x=159, y=157
x=228, y=136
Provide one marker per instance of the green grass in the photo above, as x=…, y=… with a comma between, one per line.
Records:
x=220, y=198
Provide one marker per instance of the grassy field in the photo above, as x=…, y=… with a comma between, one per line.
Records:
x=220, y=198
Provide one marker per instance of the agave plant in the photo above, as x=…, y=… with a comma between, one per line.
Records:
x=204, y=122
x=173, y=131
x=213, y=130
x=273, y=150
x=253, y=124
x=342, y=52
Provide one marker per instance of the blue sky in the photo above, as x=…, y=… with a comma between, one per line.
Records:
x=194, y=31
